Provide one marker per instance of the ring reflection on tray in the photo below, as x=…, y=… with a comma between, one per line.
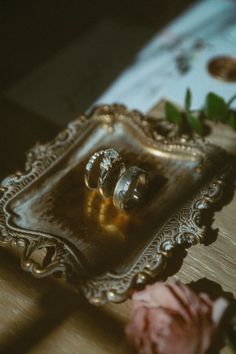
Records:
x=109, y=218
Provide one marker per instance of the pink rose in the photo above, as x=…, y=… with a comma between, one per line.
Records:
x=171, y=319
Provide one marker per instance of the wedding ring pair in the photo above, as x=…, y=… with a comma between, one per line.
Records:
x=106, y=172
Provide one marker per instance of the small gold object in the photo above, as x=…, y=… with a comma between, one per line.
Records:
x=89, y=169
x=223, y=68
x=130, y=188
x=100, y=164
x=111, y=168
x=126, y=186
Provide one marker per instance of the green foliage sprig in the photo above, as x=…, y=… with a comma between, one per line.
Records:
x=190, y=121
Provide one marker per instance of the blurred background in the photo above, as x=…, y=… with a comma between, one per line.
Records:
x=105, y=34
x=98, y=38
x=78, y=47
x=59, y=58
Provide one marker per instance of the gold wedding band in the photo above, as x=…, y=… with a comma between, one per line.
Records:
x=130, y=188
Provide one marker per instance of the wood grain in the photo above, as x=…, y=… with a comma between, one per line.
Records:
x=46, y=316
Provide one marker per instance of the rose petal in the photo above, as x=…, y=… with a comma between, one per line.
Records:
x=159, y=295
x=219, y=307
x=171, y=318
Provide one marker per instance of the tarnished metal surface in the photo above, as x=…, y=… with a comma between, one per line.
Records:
x=104, y=251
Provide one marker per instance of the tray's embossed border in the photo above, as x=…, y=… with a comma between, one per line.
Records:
x=184, y=227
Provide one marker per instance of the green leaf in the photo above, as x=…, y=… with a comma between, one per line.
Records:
x=231, y=100
x=231, y=120
x=195, y=123
x=216, y=107
x=188, y=99
x=173, y=115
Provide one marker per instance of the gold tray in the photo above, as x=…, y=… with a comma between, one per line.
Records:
x=66, y=229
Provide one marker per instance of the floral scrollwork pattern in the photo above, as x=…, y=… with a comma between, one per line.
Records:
x=183, y=227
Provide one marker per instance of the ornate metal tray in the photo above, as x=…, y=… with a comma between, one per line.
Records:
x=65, y=229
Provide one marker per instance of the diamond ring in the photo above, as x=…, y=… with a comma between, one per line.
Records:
x=102, y=170
x=111, y=168
x=91, y=168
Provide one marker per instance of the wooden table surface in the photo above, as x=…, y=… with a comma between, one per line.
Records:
x=46, y=316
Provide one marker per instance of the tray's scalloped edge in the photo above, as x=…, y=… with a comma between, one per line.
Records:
x=59, y=259
x=183, y=227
